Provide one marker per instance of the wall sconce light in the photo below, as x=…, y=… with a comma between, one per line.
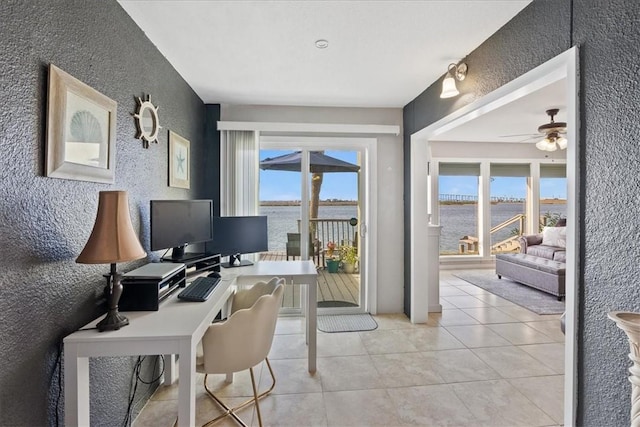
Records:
x=456, y=72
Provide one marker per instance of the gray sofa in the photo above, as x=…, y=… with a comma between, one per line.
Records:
x=539, y=266
x=541, y=273
x=532, y=245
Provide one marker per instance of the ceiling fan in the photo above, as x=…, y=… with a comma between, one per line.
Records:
x=553, y=133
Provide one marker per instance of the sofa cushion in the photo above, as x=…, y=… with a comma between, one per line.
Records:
x=560, y=256
x=554, y=236
x=537, y=263
x=543, y=251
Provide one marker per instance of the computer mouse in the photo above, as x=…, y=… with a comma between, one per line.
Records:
x=214, y=274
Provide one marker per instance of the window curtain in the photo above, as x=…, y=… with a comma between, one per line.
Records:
x=510, y=170
x=459, y=169
x=240, y=157
x=553, y=170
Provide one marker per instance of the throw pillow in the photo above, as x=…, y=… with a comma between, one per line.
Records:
x=554, y=236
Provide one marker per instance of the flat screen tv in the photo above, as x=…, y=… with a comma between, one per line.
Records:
x=237, y=235
x=178, y=223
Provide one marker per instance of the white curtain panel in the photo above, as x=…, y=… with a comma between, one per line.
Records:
x=240, y=162
x=240, y=158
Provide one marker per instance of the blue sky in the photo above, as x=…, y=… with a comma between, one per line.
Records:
x=283, y=185
x=503, y=186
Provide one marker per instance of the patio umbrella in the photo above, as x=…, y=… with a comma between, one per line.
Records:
x=319, y=163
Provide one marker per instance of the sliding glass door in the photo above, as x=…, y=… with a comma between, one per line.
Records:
x=319, y=217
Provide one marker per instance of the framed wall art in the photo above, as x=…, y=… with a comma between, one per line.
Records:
x=179, y=161
x=81, y=130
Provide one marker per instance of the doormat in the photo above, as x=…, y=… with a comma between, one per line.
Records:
x=346, y=323
x=329, y=304
x=532, y=299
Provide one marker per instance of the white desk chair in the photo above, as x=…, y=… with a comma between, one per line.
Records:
x=243, y=340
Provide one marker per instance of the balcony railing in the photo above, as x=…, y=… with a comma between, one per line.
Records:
x=509, y=244
x=468, y=245
x=337, y=230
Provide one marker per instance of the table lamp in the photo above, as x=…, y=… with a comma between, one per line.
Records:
x=112, y=240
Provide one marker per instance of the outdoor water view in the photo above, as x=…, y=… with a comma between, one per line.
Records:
x=280, y=201
x=458, y=204
x=458, y=220
x=283, y=218
x=280, y=195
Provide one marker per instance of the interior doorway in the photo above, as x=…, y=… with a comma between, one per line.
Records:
x=319, y=211
x=563, y=70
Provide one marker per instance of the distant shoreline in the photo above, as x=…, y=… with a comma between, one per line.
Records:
x=297, y=203
x=469, y=202
x=355, y=203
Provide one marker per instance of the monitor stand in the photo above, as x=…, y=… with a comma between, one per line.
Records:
x=235, y=261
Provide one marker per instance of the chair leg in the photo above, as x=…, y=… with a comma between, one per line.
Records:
x=231, y=411
x=228, y=411
x=255, y=396
x=264, y=393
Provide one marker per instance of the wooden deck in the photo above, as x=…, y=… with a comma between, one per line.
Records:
x=334, y=289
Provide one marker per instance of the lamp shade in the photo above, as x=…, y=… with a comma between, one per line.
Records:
x=449, y=89
x=113, y=238
x=546, y=144
x=562, y=142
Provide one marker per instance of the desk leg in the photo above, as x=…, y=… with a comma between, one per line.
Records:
x=312, y=311
x=187, y=385
x=76, y=388
x=170, y=374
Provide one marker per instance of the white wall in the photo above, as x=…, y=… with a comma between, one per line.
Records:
x=390, y=229
x=492, y=151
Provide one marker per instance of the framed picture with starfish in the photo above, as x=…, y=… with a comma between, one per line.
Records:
x=179, y=168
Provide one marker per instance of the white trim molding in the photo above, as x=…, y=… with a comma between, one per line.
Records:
x=311, y=127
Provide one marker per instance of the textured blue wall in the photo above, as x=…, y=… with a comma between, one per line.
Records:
x=45, y=222
x=608, y=183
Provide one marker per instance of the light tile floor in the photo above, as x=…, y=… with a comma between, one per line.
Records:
x=483, y=361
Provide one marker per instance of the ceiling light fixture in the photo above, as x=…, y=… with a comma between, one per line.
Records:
x=455, y=72
x=322, y=44
x=553, y=134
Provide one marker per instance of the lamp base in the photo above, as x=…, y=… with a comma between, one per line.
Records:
x=112, y=321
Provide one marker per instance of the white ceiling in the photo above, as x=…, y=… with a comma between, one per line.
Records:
x=517, y=121
x=380, y=54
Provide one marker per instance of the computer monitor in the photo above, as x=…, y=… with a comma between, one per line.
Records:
x=237, y=235
x=177, y=223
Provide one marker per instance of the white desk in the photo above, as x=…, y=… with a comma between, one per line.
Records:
x=174, y=329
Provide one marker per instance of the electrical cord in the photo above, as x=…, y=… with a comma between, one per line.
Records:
x=57, y=368
x=135, y=375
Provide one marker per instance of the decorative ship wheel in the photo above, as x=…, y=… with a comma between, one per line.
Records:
x=147, y=123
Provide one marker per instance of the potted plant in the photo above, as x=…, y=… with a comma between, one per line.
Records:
x=331, y=246
x=333, y=261
x=349, y=255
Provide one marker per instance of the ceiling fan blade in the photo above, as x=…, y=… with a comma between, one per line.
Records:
x=531, y=135
x=532, y=138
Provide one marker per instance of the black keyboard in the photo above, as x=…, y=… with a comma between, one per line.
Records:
x=200, y=289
